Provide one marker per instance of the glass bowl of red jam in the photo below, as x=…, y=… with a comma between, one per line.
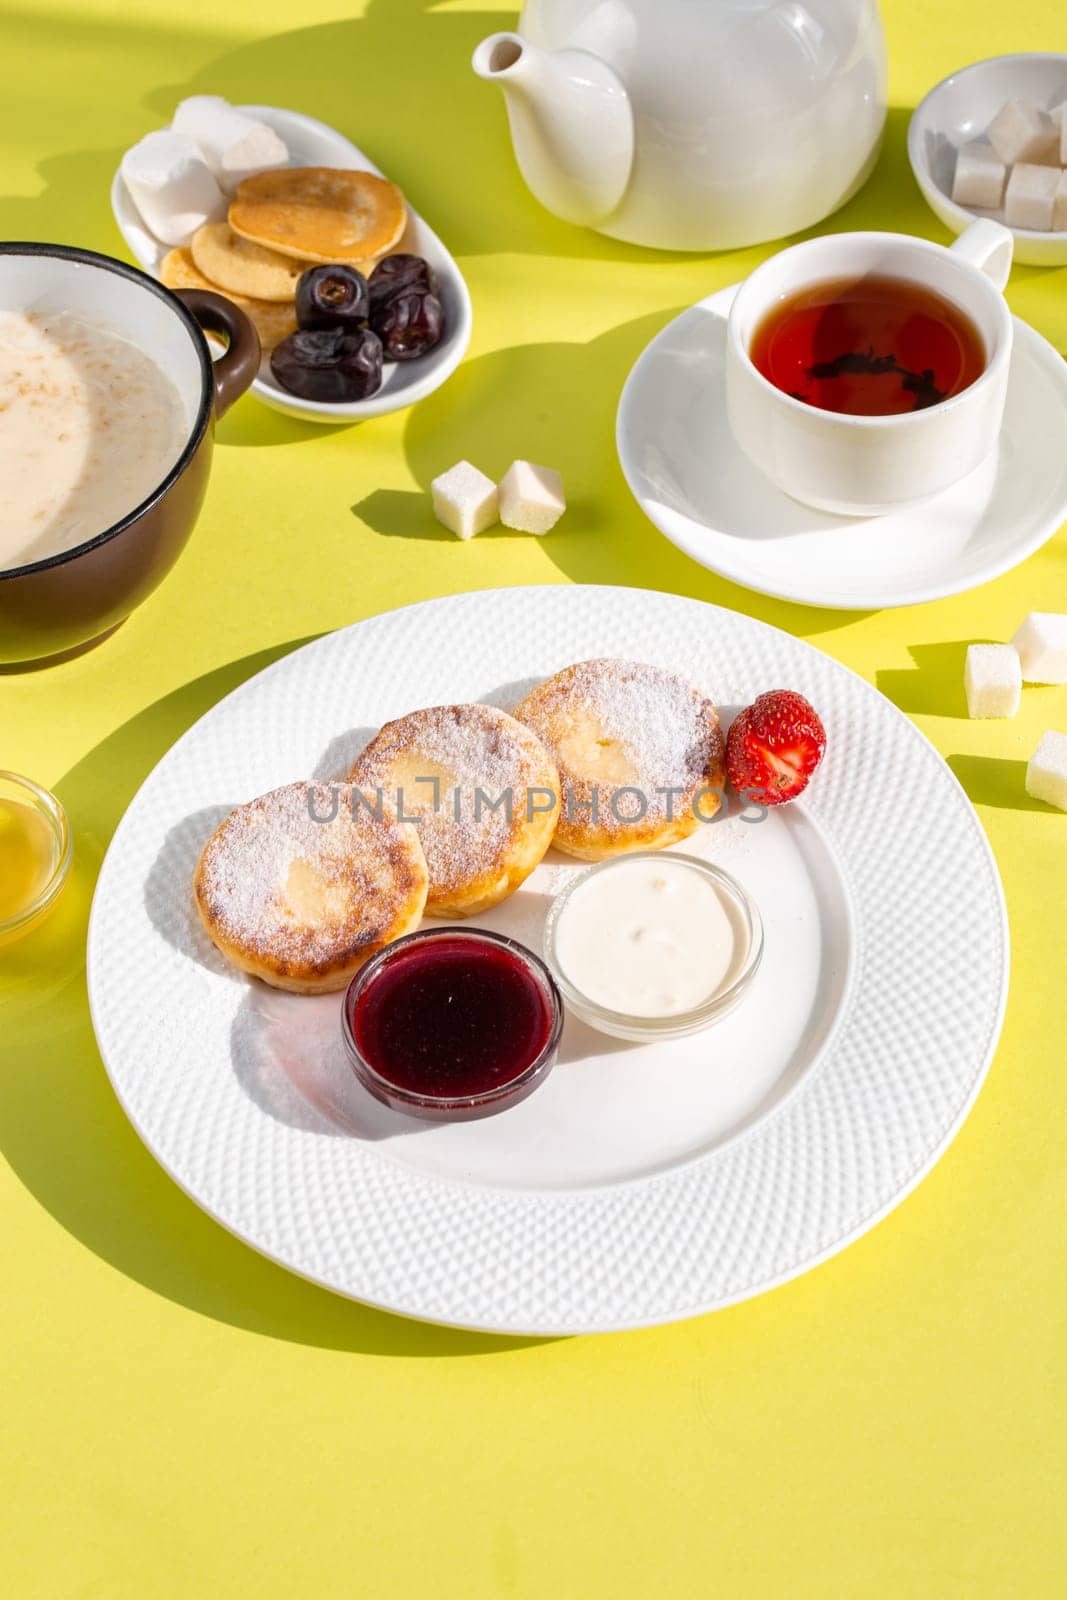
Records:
x=452, y=1023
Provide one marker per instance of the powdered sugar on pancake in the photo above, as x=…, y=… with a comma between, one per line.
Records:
x=617, y=725
x=466, y=773
x=308, y=875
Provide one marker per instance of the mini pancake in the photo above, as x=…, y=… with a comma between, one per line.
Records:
x=435, y=765
x=320, y=213
x=240, y=267
x=272, y=320
x=300, y=886
x=639, y=751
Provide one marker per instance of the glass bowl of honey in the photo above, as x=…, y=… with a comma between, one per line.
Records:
x=35, y=854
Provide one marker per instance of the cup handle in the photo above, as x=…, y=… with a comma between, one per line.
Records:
x=989, y=247
x=239, y=363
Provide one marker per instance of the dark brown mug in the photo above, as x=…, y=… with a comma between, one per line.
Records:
x=68, y=601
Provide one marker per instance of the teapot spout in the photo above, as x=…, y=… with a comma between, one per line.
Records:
x=571, y=122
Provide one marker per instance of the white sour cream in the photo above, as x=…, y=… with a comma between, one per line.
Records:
x=89, y=426
x=650, y=938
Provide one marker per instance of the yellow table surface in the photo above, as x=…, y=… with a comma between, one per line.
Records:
x=181, y=1417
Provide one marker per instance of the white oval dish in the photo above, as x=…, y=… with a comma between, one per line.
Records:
x=314, y=144
x=642, y=1182
x=961, y=108
x=691, y=479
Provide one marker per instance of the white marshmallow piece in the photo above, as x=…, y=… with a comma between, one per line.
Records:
x=172, y=186
x=234, y=145
x=1041, y=642
x=1046, y=771
x=259, y=150
x=1023, y=132
x=993, y=680
x=1030, y=201
x=212, y=122
x=1059, y=206
x=531, y=498
x=980, y=176
x=465, y=500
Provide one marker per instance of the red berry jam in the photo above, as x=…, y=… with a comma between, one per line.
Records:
x=455, y=1023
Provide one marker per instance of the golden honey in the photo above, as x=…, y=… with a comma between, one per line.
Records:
x=29, y=856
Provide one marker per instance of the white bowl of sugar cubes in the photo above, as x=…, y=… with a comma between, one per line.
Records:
x=991, y=141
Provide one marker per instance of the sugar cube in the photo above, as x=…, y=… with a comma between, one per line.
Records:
x=980, y=176
x=1059, y=205
x=1042, y=645
x=531, y=497
x=1031, y=196
x=172, y=186
x=1023, y=132
x=465, y=500
x=1046, y=771
x=233, y=144
x=1059, y=117
x=993, y=680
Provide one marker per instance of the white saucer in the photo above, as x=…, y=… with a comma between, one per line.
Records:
x=689, y=477
x=314, y=144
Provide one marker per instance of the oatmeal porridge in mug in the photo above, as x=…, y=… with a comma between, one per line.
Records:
x=89, y=427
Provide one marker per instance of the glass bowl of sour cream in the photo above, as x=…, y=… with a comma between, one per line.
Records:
x=653, y=944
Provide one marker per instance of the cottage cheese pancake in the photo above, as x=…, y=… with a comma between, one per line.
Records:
x=300, y=886
x=639, y=752
x=483, y=790
x=89, y=425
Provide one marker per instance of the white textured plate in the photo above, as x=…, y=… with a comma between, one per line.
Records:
x=641, y=1183
x=314, y=144
x=959, y=109
x=690, y=478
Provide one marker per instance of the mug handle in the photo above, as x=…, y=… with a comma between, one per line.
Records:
x=989, y=247
x=239, y=362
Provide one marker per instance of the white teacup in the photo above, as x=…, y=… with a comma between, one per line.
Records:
x=862, y=465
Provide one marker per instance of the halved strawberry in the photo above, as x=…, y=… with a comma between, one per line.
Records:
x=774, y=746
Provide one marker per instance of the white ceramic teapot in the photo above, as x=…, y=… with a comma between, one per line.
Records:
x=693, y=124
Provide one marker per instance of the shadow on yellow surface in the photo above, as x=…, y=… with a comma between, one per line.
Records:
x=71, y=205
x=996, y=781
x=250, y=423
x=65, y=1135
x=934, y=688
